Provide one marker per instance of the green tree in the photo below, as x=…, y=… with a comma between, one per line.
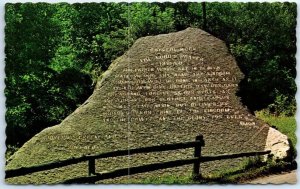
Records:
x=40, y=91
x=262, y=38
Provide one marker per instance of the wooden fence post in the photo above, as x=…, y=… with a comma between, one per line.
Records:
x=197, y=154
x=92, y=170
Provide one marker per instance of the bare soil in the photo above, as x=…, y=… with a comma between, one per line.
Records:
x=284, y=178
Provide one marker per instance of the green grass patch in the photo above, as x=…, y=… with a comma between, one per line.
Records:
x=165, y=179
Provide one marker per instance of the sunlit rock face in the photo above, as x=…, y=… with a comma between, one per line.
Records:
x=278, y=144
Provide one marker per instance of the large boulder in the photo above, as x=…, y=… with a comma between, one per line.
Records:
x=165, y=89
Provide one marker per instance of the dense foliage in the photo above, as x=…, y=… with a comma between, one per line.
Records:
x=55, y=52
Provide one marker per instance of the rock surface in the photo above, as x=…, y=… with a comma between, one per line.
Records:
x=165, y=89
x=278, y=144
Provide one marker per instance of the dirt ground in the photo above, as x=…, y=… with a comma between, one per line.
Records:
x=284, y=178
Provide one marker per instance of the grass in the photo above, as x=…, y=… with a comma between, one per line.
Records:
x=168, y=179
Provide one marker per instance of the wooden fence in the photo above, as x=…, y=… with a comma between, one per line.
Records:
x=93, y=176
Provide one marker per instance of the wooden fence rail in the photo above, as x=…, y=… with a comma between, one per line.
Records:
x=163, y=165
x=94, y=177
x=91, y=158
x=231, y=156
x=131, y=171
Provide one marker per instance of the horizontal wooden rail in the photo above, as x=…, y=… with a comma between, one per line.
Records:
x=166, y=147
x=231, y=156
x=157, y=166
x=131, y=171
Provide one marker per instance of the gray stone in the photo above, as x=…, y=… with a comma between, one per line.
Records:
x=278, y=144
